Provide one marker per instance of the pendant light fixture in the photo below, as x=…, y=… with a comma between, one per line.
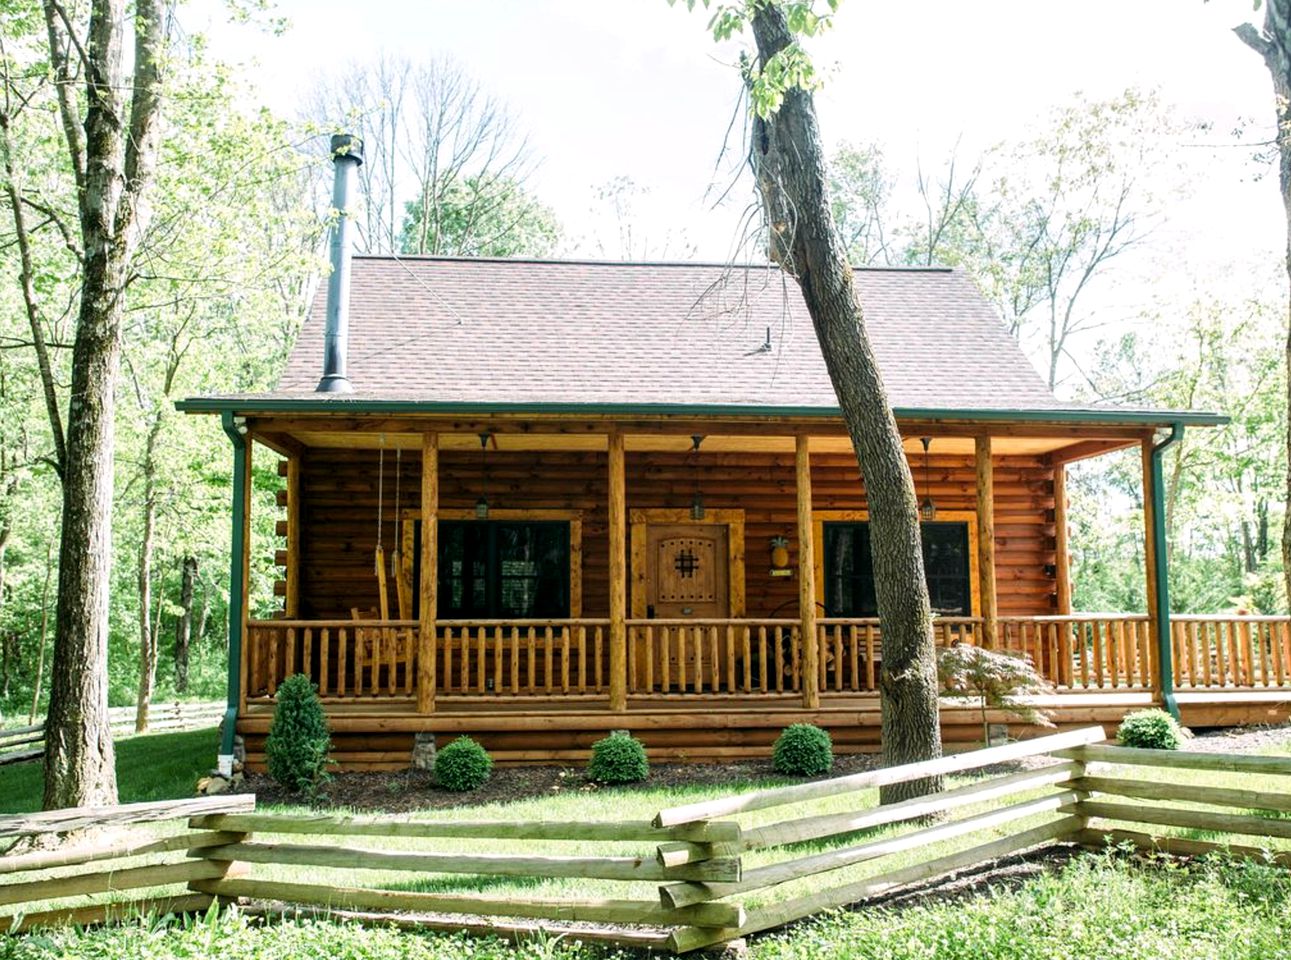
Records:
x=927, y=509
x=697, y=501
x=482, y=504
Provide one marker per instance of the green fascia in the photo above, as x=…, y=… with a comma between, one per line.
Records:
x=252, y=405
x=237, y=586
x=1165, y=650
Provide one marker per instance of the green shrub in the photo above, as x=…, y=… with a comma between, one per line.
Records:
x=803, y=750
x=298, y=744
x=463, y=765
x=1150, y=730
x=619, y=758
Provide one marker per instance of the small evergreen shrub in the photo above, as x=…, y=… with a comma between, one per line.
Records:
x=1150, y=730
x=619, y=758
x=463, y=765
x=803, y=750
x=298, y=743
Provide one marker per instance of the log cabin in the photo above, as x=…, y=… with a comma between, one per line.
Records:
x=535, y=501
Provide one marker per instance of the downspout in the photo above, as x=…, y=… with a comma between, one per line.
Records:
x=1165, y=650
x=236, y=429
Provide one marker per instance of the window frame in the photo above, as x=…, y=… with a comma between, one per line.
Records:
x=410, y=519
x=967, y=517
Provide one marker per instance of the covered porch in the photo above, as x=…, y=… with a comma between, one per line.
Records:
x=714, y=591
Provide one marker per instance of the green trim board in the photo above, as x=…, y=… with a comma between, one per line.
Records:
x=1165, y=649
x=358, y=406
x=237, y=585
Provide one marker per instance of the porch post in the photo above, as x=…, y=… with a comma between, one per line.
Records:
x=239, y=564
x=1062, y=549
x=810, y=678
x=618, y=575
x=986, y=540
x=291, y=605
x=428, y=588
x=1154, y=555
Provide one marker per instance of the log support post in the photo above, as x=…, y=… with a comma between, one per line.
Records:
x=291, y=604
x=1062, y=549
x=618, y=524
x=986, y=541
x=1154, y=555
x=810, y=678
x=428, y=588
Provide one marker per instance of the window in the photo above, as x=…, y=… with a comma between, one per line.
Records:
x=849, y=572
x=493, y=569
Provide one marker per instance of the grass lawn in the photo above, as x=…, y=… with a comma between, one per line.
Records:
x=156, y=766
x=1098, y=906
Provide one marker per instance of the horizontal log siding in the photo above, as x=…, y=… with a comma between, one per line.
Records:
x=339, y=514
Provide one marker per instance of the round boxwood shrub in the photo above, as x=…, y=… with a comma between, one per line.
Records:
x=463, y=765
x=298, y=743
x=1150, y=730
x=803, y=750
x=619, y=758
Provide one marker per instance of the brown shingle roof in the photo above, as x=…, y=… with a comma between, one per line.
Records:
x=448, y=330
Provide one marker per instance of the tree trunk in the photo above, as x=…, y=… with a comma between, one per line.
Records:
x=1274, y=45
x=203, y=615
x=113, y=165
x=44, y=631
x=788, y=162
x=184, y=625
x=147, y=632
x=79, y=758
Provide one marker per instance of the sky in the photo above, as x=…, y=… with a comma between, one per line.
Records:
x=637, y=88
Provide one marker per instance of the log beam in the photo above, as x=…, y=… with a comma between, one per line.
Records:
x=807, y=578
x=1062, y=549
x=428, y=588
x=986, y=538
x=618, y=524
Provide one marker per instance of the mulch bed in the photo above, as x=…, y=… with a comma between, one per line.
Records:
x=406, y=790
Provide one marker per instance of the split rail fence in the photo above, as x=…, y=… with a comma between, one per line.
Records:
x=28, y=742
x=692, y=877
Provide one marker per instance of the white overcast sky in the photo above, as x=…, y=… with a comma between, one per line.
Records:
x=609, y=88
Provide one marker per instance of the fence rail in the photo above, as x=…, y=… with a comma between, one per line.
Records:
x=693, y=856
x=28, y=742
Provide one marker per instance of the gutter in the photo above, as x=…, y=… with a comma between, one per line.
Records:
x=1165, y=651
x=236, y=430
x=354, y=406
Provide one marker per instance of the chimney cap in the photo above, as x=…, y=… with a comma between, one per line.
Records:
x=347, y=145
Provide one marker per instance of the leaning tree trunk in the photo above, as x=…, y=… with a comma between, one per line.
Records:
x=788, y=162
x=184, y=625
x=1274, y=45
x=147, y=633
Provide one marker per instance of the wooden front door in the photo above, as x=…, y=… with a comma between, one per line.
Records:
x=688, y=572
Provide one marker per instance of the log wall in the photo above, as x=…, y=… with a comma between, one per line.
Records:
x=338, y=515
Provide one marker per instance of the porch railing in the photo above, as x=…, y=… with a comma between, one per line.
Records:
x=493, y=658
x=1230, y=651
x=1085, y=651
x=713, y=657
x=353, y=660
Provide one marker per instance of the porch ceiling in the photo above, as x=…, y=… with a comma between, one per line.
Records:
x=713, y=443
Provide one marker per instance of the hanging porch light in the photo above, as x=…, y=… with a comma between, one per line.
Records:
x=482, y=504
x=927, y=509
x=696, y=501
